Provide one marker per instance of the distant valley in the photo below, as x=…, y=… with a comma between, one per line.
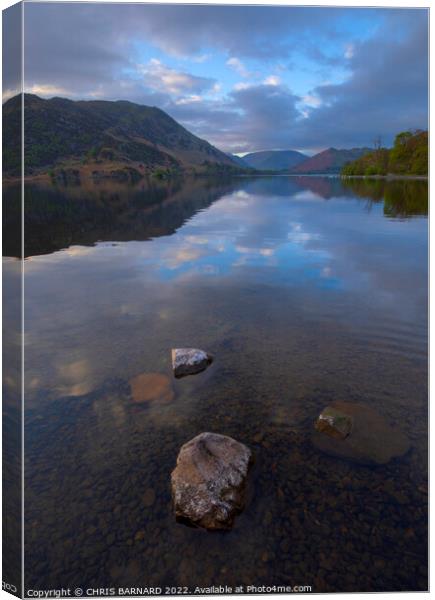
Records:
x=274, y=160
x=329, y=161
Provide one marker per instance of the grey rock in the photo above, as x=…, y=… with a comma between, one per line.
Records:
x=208, y=483
x=188, y=361
x=371, y=441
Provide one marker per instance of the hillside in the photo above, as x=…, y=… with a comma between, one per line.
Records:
x=329, y=161
x=274, y=160
x=60, y=131
x=408, y=156
x=239, y=161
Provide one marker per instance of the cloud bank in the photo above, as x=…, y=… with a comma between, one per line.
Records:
x=244, y=77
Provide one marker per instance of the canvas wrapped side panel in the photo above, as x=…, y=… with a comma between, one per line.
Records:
x=12, y=215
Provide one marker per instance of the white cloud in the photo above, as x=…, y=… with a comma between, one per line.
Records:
x=349, y=51
x=48, y=90
x=272, y=80
x=237, y=65
x=313, y=101
x=189, y=99
x=10, y=93
x=201, y=58
x=162, y=78
x=242, y=85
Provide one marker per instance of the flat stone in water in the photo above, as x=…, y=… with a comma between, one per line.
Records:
x=188, y=361
x=371, y=441
x=208, y=482
x=151, y=387
x=334, y=423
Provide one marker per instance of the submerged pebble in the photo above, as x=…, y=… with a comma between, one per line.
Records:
x=370, y=438
x=151, y=387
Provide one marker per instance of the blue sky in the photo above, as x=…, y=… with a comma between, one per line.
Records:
x=245, y=78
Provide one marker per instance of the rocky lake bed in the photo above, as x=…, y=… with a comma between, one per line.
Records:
x=309, y=517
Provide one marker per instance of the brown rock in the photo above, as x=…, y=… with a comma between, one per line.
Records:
x=334, y=423
x=208, y=482
x=151, y=387
x=372, y=440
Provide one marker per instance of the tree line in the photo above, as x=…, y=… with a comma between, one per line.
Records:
x=408, y=156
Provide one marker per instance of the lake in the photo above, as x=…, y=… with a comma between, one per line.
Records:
x=306, y=290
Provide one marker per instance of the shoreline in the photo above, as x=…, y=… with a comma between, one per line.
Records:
x=46, y=178
x=389, y=177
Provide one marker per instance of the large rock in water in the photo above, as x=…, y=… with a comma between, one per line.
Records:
x=358, y=433
x=208, y=483
x=334, y=423
x=188, y=361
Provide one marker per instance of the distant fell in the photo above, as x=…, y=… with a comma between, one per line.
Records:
x=329, y=161
x=274, y=160
x=239, y=161
x=61, y=131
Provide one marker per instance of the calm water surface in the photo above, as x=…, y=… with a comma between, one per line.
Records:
x=305, y=290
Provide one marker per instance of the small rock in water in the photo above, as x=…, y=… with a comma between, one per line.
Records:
x=371, y=440
x=151, y=387
x=208, y=483
x=188, y=361
x=334, y=423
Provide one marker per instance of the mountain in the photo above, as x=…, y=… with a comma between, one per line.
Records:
x=408, y=156
x=238, y=160
x=99, y=132
x=329, y=161
x=274, y=160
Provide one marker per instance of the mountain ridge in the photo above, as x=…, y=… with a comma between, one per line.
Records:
x=60, y=130
x=121, y=139
x=274, y=160
x=238, y=160
x=331, y=160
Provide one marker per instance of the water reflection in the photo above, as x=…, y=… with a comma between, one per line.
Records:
x=58, y=216
x=305, y=291
x=12, y=421
x=402, y=198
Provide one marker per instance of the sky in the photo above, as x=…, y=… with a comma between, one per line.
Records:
x=245, y=78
